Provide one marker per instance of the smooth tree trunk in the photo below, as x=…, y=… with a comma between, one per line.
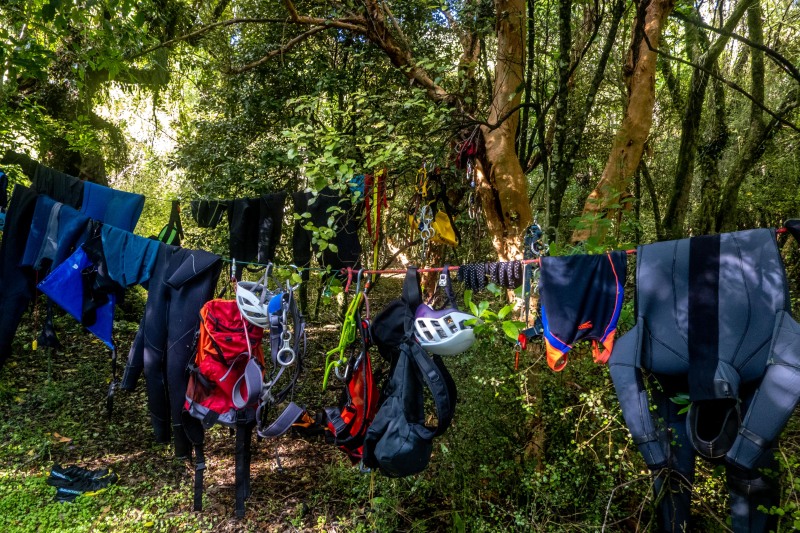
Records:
x=501, y=182
x=628, y=144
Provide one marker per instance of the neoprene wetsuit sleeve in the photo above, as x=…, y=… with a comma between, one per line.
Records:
x=775, y=399
x=629, y=384
x=135, y=364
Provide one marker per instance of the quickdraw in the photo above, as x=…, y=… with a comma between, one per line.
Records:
x=336, y=358
x=426, y=230
x=533, y=248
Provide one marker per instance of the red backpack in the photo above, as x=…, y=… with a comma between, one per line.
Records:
x=348, y=423
x=225, y=382
x=226, y=375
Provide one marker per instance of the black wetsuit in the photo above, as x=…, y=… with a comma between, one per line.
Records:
x=712, y=320
x=16, y=282
x=181, y=282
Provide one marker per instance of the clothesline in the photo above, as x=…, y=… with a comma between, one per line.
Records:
x=368, y=271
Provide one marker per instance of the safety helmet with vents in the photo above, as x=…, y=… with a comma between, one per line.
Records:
x=252, y=298
x=444, y=331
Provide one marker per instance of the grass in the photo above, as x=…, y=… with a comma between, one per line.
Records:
x=54, y=412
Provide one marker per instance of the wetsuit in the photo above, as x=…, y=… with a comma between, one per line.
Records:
x=712, y=320
x=113, y=207
x=54, y=232
x=181, y=282
x=581, y=298
x=16, y=282
x=208, y=213
x=347, y=245
x=57, y=185
x=255, y=228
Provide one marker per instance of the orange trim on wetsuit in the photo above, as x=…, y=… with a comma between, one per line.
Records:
x=581, y=299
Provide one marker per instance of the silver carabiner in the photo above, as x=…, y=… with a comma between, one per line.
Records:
x=285, y=355
x=340, y=371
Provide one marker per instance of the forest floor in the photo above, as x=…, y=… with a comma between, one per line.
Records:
x=54, y=411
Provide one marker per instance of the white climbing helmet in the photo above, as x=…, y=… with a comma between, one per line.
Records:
x=443, y=332
x=252, y=298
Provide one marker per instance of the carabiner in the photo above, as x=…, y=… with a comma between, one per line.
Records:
x=285, y=355
x=358, y=280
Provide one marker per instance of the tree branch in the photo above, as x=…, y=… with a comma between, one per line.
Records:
x=355, y=24
x=730, y=84
x=291, y=9
x=400, y=54
x=280, y=51
x=784, y=63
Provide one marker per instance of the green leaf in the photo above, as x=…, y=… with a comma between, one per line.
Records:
x=494, y=289
x=483, y=306
x=504, y=311
x=511, y=330
x=473, y=308
x=332, y=247
x=681, y=399
x=468, y=297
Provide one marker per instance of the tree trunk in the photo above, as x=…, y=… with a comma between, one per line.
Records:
x=501, y=183
x=560, y=171
x=755, y=147
x=568, y=143
x=759, y=133
x=708, y=157
x=684, y=171
x=627, y=147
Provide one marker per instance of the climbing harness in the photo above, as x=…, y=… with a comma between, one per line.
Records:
x=287, y=348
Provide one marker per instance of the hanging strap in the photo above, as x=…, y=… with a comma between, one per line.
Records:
x=281, y=425
x=175, y=218
x=447, y=285
x=251, y=378
x=412, y=298
x=196, y=434
x=244, y=437
x=440, y=383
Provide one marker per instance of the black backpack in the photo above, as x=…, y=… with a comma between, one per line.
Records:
x=172, y=233
x=398, y=443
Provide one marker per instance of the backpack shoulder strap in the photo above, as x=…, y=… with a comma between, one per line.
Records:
x=412, y=298
x=440, y=383
x=175, y=218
